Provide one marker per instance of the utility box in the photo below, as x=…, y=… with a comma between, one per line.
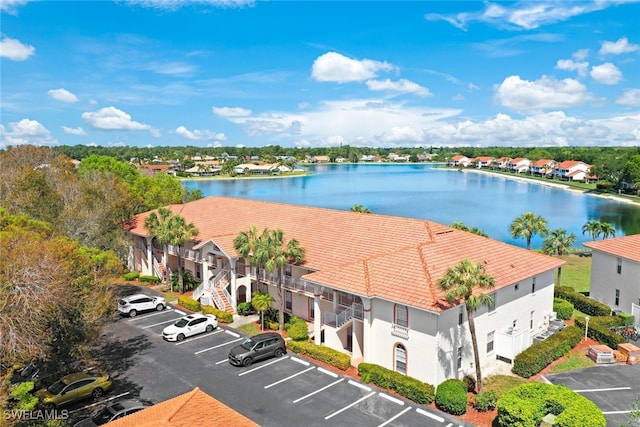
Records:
x=631, y=352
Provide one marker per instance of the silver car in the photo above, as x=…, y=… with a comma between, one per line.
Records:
x=134, y=304
x=113, y=412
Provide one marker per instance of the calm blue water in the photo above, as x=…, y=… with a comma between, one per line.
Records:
x=422, y=191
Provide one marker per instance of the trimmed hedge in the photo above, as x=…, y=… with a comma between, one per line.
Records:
x=527, y=404
x=324, y=354
x=451, y=397
x=599, y=329
x=222, y=316
x=297, y=329
x=627, y=318
x=535, y=358
x=130, y=276
x=582, y=303
x=150, y=279
x=486, y=401
x=245, y=308
x=563, y=308
x=189, y=303
x=408, y=387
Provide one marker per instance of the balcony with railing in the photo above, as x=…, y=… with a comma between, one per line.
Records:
x=343, y=315
x=400, y=331
x=185, y=253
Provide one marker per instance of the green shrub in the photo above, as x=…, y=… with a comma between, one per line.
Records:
x=150, y=279
x=130, y=276
x=189, y=303
x=451, y=397
x=245, y=308
x=222, y=316
x=297, y=329
x=274, y=326
x=538, y=356
x=563, y=308
x=486, y=401
x=527, y=404
x=408, y=387
x=582, y=303
x=599, y=329
x=627, y=318
x=469, y=383
x=324, y=354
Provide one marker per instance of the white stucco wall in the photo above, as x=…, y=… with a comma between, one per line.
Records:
x=605, y=280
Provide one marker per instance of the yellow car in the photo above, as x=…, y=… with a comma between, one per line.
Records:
x=74, y=387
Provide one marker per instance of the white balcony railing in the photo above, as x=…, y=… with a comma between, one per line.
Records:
x=399, y=331
x=343, y=315
x=185, y=253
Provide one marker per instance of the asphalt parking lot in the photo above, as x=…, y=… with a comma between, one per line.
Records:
x=613, y=388
x=275, y=392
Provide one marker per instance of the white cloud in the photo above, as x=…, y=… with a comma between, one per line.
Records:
x=606, y=73
x=618, y=47
x=402, y=86
x=198, y=135
x=14, y=50
x=170, y=68
x=63, y=95
x=630, y=98
x=334, y=67
x=74, y=131
x=26, y=131
x=571, y=65
x=111, y=118
x=11, y=6
x=226, y=112
x=176, y=4
x=541, y=94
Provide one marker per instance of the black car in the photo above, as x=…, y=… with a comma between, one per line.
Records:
x=258, y=347
x=114, y=411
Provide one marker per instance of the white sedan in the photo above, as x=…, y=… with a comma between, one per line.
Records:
x=187, y=326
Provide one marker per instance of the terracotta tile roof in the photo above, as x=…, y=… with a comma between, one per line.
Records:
x=624, y=247
x=400, y=259
x=543, y=162
x=568, y=164
x=195, y=408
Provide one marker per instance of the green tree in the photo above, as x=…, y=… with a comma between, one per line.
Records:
x=261, y=302
x=475, y=230
x=598, y=228
x=607, y=230
x=360, y=208
x=171, y=230
x=527, y=225
x=558, y=242
x=276, y=253
x=460, y=283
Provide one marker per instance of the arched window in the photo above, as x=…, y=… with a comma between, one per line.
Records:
x=400, y=359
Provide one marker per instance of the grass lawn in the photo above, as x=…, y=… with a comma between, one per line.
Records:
x=249, y=329
x=502, y=383
x=576, y=272
x=575, y=361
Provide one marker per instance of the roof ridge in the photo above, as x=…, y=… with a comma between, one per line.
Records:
x=187, y=398
x=367, y=279
x=425, y=269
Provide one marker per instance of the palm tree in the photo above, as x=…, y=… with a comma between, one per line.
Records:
x=277, y=253
x=460, y=282
x=598, y=228
x=475, y=230
x=607, y=230
x=558, y=242
x=527, y=225
x=261, y=302
x=171, y=230
x=360, y=208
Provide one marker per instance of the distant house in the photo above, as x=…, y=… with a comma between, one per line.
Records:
x=398, y=158
x=483, y=162
x=501, y=163
x=615, y=273
x=518, y=165
x=542, y=167
x=153, y=169
x=340, y=159
x=426, y=157
x=571, y=170
x=320, y=159
x=459, y=160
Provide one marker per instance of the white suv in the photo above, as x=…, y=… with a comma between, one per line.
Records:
x=134, y=304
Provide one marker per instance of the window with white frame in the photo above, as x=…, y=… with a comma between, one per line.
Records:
x=401, y=315
x=459, y=359
x=288, y=303
x=619, y=270
x=400, y=357
x=490, y=339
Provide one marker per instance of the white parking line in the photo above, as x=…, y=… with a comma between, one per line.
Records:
x=200, y=336
x=391, y=398
x=263, y=366
x=217, y=346
x=181, y=313
x=592, y=390
x=98, y=403
x=429, y=414
x=331, y=374
x=222, y=361
x=350, y=406
x=133, y=319
x=158, y=324
x=300, y=361
x=362, y=386
x=319, y=390
x=395, y=416
x=233, y=334
x=616, y=412
x=289, y=377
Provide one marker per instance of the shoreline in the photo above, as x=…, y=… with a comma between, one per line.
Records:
x=550, y=184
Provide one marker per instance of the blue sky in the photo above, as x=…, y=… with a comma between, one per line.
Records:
x=316, y=73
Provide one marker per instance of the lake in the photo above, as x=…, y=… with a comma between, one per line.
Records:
x=425, y=191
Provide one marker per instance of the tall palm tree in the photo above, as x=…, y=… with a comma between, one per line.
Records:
x=475, y=230
x=558, y=242
x=592, y=228
x=277, y=253
x=261, y=302
x=171, y=230
x=246, y=243
x=360, y=208
x=607, y=230
x=460, y=282
x=527, y=225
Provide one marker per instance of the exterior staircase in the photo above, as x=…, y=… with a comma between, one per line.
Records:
x=215, y=290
